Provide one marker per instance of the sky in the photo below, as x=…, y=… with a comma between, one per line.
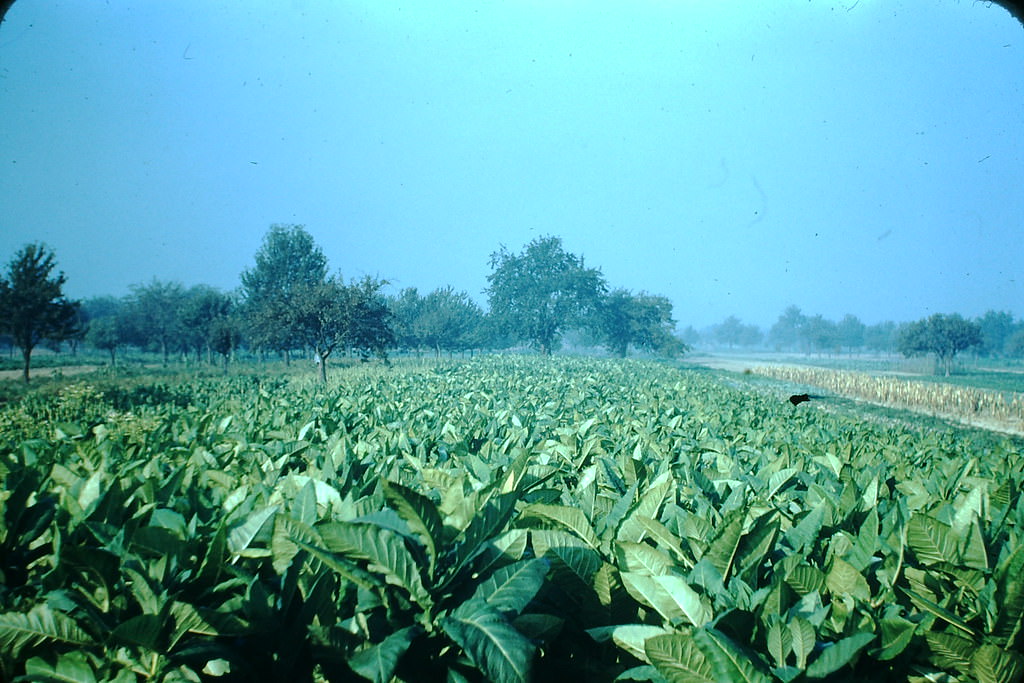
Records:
x=737, y=157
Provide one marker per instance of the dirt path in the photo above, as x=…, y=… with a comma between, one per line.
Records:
x=48, y=372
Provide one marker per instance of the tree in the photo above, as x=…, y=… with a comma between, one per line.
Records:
x=289, y=265
x=405, y=309
x=943, y=335
x=369, y=319
x=32, y=302
x=996, y=329
x=643, y=321
x=880, y=336
x=206, y=313
x=787, y=331
x=851, y=332
x=542, y=291
x=820, y=334
x=447, y=321
x=154, y=314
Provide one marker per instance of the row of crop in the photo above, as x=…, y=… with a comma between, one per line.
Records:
x=936, y=397
x=507, y=519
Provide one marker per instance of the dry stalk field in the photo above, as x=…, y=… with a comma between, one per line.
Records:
x=1004, y=410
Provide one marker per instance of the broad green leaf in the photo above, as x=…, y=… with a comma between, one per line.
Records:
x=931, y=540
x=385, y=550
x=665, y=538
x=729, y=663
x=779, y=641
x=805, y=533
x=241, y=534
x=494, y=646
x=146, y=630
x=678, y=658
x=511, y=588
x=806, y=579
x=896, y=635
x=630, y=637
x=38, y=626
x=951, y=650
x=939, y=611
x=837, y=655
x=725, y=542
x=1009, y=598
x=420, y=514
x=647, y=506
x=696, y=609
x=647, y=591
x=802, y=640
x=70, y=667
x=640, y=557
x=569, y=518
x=566, y=552
x=992, y=664
x=378, y=662
x=844, y=579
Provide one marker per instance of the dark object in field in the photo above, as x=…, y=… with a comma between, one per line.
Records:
x=800, y=398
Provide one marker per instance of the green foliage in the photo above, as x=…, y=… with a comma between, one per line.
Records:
x=33, y=307
x=502, y=519
x=540, y=292
x=943, y=335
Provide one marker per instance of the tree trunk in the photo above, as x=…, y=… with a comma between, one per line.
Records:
x=113, y=357
x=26, y=354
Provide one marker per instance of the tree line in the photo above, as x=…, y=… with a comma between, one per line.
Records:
x=996, y=334
x=289, y=303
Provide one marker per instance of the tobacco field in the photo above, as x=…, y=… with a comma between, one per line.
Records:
x=502, y=519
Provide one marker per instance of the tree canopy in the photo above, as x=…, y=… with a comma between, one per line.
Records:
x=540, y=292
x=643, y=321
x=943, y=335
x=32, y=302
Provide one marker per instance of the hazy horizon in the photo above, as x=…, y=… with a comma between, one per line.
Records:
x=857, y=157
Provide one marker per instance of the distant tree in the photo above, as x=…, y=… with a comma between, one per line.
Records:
x=729, y=331
x=787, y=332
x=107, y=327
x=448, y=321
x=370, y=332
x=850, y=331
x=289, y=264
x=943, y=335
x=33, y=307
x=996, y=328
x=643, y=321
x=1015, y=344
x=542, y=291
x=881, y=336
x=206, y=312
x=405, y=309
x=154, y=316
x=820, y=334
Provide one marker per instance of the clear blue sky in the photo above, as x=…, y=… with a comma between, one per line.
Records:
x=860, y=157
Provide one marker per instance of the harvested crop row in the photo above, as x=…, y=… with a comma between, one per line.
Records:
x=944, y=399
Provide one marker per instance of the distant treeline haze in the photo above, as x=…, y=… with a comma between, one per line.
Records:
x=289, y=304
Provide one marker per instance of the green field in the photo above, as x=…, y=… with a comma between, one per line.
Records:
x=505, y=518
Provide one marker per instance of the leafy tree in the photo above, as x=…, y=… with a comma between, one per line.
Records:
x=996, y=329
x=880, y=336
x=729, y=331
x=787, y=331
x=643, y=321
x=850, y=331
x=405, y=309
x=820, y=334
x=943, y=335
x=32, y=302
x=330, y=315
x=155, y=316
x=542, y=291
x=448, y=321
x=108, y=327
x=206, y=312
x=289, y=265
x=369, y=318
